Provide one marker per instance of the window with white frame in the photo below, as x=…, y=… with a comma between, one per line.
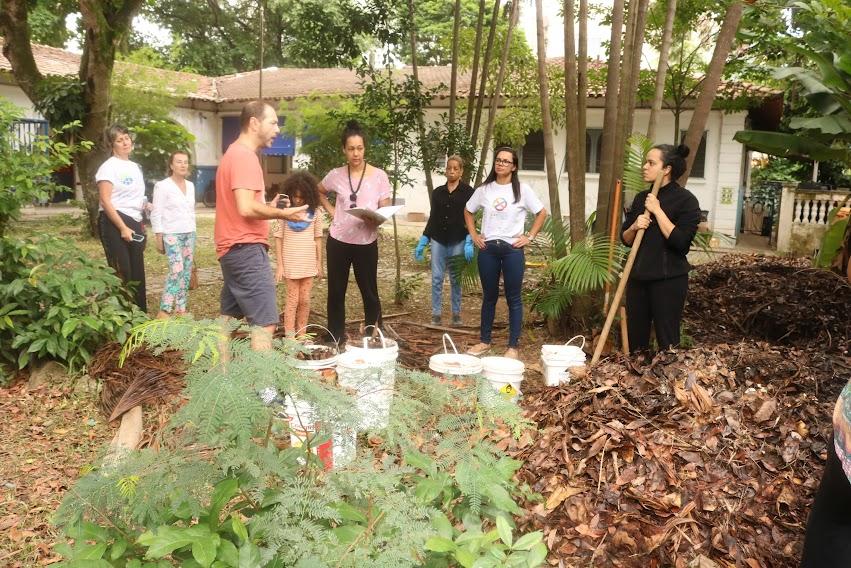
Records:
x=532, y=153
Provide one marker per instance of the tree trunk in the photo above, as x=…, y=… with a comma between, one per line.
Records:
x=662, y=69
x=477, y=118
x=477, y=50
x=453, y=81
x=582, y=93
x=609, y=119
x=427, y=165
x=632, y=88
x=573, y=134
x=709, y=89
x=104, y=26
x=547, y=122
x=500, y=77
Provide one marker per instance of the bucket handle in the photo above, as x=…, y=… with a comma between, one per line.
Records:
x=569, y=341
x=452, y=343
x=336, y=342
x=378, y=329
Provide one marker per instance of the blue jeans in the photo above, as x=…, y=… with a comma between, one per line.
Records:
x=439, y=256
x=500, y=257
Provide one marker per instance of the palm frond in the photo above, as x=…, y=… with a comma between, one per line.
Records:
x=586, y=267
x=637, y=147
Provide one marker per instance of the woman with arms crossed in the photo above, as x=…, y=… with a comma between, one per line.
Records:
x=173, y=223
x=506, y=202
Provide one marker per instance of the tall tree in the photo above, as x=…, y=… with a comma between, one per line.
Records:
x=453, y=81
x=480, y=101
x=606, y=181
x=105, y=26
x=661, y=69
x=477, y=50
x=582, y=91
x=547, y=124
x=427, y=166
x=573, y=129
x=497, y=89
x=709, y=88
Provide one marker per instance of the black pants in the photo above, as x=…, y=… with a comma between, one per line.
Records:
x=127, y=259
x=659, y=302
x=828, y=540
x=341, y=256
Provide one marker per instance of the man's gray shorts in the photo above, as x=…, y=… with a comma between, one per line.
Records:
x=249, y=288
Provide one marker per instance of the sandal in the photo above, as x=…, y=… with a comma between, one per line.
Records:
x=479, y=349
x=512, y=353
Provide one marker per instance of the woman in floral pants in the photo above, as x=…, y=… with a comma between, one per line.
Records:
x=173, y=222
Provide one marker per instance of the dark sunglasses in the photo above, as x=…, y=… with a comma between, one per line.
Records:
x=354, y=198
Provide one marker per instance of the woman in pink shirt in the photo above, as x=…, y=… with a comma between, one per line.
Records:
x=352, y=241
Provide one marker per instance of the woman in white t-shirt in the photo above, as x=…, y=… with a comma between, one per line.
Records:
x=122, y=200
x=505, y=203
x=173, y=223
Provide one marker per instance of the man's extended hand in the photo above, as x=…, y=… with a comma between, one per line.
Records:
x=294, y=213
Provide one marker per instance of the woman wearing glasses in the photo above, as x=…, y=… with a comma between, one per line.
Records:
x=505, y=203
x=353, y=241
x=122, y=200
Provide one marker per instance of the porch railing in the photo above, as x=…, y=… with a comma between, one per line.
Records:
x=804, y=216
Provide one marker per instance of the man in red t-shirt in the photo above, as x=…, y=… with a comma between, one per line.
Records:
x=242, y=227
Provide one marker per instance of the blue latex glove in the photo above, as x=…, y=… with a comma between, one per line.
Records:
x=420, y=250
x=468, y=248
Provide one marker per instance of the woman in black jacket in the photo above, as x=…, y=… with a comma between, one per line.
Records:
x=658, y=283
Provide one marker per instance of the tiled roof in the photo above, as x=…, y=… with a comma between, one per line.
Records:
x=291, y=83
x=55, y=61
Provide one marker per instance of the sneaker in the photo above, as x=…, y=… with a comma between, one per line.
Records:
x=479, y=349
x=435, y=319
x=511, y=353
x=456, y=320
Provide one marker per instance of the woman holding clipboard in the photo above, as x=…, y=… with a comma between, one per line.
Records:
x=353, y=241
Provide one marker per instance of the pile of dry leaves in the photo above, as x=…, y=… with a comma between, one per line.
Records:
x=710, y=453
x=777, y=299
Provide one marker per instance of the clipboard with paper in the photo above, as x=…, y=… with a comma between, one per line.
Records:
x=377, y=216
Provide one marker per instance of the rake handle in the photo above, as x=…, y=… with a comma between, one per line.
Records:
x=613, y=308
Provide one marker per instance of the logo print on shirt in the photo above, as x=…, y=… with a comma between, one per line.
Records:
x=128, y=180
x=500, y=204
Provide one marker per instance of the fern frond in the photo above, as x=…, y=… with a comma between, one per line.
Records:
x=637, y=147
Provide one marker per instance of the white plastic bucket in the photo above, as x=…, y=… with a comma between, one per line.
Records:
x=566, y=352
x=454, y=363
x=318, y=364
x=372, y=379
x=504, y=374
x=304, y=428
x=389, y=350
x=557, y=360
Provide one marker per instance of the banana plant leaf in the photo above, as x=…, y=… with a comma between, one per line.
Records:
x=791, y=146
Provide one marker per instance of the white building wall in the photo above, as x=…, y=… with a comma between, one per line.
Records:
x=205, y=125
x=716, y=192
x=14, y=95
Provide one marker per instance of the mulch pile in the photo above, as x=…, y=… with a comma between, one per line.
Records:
x=711, y=452
x=781, y=300
x=708, y=456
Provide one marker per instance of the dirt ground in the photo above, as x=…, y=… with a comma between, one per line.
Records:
x=50, y=434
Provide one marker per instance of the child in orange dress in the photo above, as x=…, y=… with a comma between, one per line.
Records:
x=298, y=249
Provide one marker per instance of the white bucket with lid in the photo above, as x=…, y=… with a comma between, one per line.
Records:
x=372, y=380
x=557, y=360
x=454, y=363
x=389, y=350
x=504, y=374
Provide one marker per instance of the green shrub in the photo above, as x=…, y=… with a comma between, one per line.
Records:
x=57, y=303
x=429, y=490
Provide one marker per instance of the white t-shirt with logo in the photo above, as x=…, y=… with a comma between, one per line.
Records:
x=128, y=187
x=502, y=218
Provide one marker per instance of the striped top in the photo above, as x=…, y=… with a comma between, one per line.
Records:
x=299, y=247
